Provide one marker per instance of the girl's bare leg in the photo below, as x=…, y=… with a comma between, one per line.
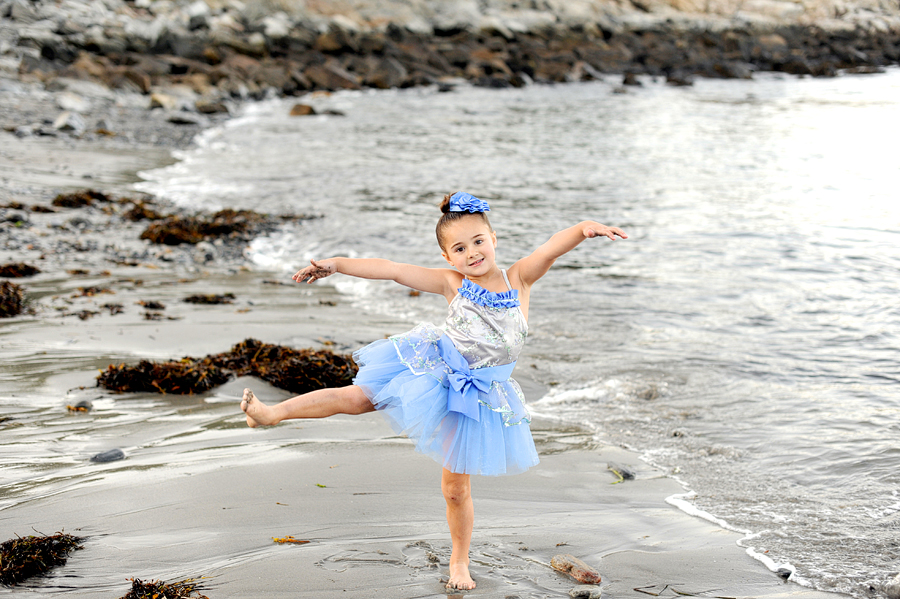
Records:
x=457, y=491
x=315, y=404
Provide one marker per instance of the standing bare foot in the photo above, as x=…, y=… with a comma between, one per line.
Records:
x=460, y=578
x=258, y=413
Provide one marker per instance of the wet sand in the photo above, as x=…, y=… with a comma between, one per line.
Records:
x=200, y=494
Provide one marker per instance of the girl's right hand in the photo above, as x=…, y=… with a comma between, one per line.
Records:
x=315, y=271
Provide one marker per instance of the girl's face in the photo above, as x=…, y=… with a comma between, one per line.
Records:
x=469, y=246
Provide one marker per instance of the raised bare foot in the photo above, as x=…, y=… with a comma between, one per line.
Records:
x=258, y=413
x=460, y=578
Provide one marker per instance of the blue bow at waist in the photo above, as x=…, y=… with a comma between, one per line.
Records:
x=465, y=383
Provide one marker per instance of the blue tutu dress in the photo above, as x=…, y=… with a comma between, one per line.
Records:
x=449, y=389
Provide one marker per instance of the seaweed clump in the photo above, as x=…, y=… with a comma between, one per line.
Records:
x=227, y=298
x=24, y=557
x=158, y=589
x=180, y=377
x=176, y=230
x=79, y=199
x=15, y=270
x=295, y=370
x=12, y=299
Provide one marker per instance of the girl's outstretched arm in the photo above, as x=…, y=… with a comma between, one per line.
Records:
x=442, y=281
x=533, y=267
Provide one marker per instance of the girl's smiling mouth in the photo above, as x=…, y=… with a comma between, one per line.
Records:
x=477, y=262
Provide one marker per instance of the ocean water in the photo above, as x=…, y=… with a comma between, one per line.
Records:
x=744, y=338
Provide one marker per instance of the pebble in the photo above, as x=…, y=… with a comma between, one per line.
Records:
x=585, y=591
x=109, y=456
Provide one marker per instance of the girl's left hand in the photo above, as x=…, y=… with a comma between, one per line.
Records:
x=593, y=229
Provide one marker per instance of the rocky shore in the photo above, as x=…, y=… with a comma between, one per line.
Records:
x=189, y=62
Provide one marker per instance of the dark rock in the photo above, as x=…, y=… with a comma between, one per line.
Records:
x=784, y=573
x=210, y=107
x=82, y=406
x=624, y=472
x=180, y=117
x=302, y=110
x=331, y=77
x=112, y=455
x=631, y=79
x=387, y=74
x=679, y=80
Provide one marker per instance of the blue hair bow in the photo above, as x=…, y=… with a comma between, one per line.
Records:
x=466, y=202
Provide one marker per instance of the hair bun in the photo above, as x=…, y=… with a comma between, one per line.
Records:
x=445, y=204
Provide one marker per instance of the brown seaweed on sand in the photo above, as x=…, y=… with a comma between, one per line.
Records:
x=14, y=270
x=158, y=589
x=78, y=199
x=181, y=377
x=227, y=298
x=295, y=370
x=24, y=557
x=12, y=299
x=176, y=230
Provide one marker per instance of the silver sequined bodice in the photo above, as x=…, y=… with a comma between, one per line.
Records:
x=486, y=335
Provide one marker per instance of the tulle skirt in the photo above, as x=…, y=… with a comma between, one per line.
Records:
x=406, y=380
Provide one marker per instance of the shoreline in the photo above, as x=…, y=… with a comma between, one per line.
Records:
x=685, y=546
x=178, y=68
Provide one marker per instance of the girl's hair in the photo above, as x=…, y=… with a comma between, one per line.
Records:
x=451, y=217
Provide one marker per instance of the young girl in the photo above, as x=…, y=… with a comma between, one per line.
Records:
x=448, y=389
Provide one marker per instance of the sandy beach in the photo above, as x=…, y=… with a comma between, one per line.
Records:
x=200, y=494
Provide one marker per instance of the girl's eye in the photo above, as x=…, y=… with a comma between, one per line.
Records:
x=459, y=249
x=478, y=241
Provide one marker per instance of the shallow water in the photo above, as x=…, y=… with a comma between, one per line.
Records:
x=744, y=338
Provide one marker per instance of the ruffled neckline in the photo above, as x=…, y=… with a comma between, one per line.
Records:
x=490, y=299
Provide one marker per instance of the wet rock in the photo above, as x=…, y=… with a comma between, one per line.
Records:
x=623, y=472
x=302, y=110
x=631, y=79
x=679, y=80
x=585, y=592
x=112, y=455
x=82, y=406
x=180, y=117
x=210, y=107
x=331, y=77
x=70, y=121
x=892, y=588
x=388, y=73
x=574, y=567
x=165, y=101
x=12, y=299
x=784, y=573
x=72, y=102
